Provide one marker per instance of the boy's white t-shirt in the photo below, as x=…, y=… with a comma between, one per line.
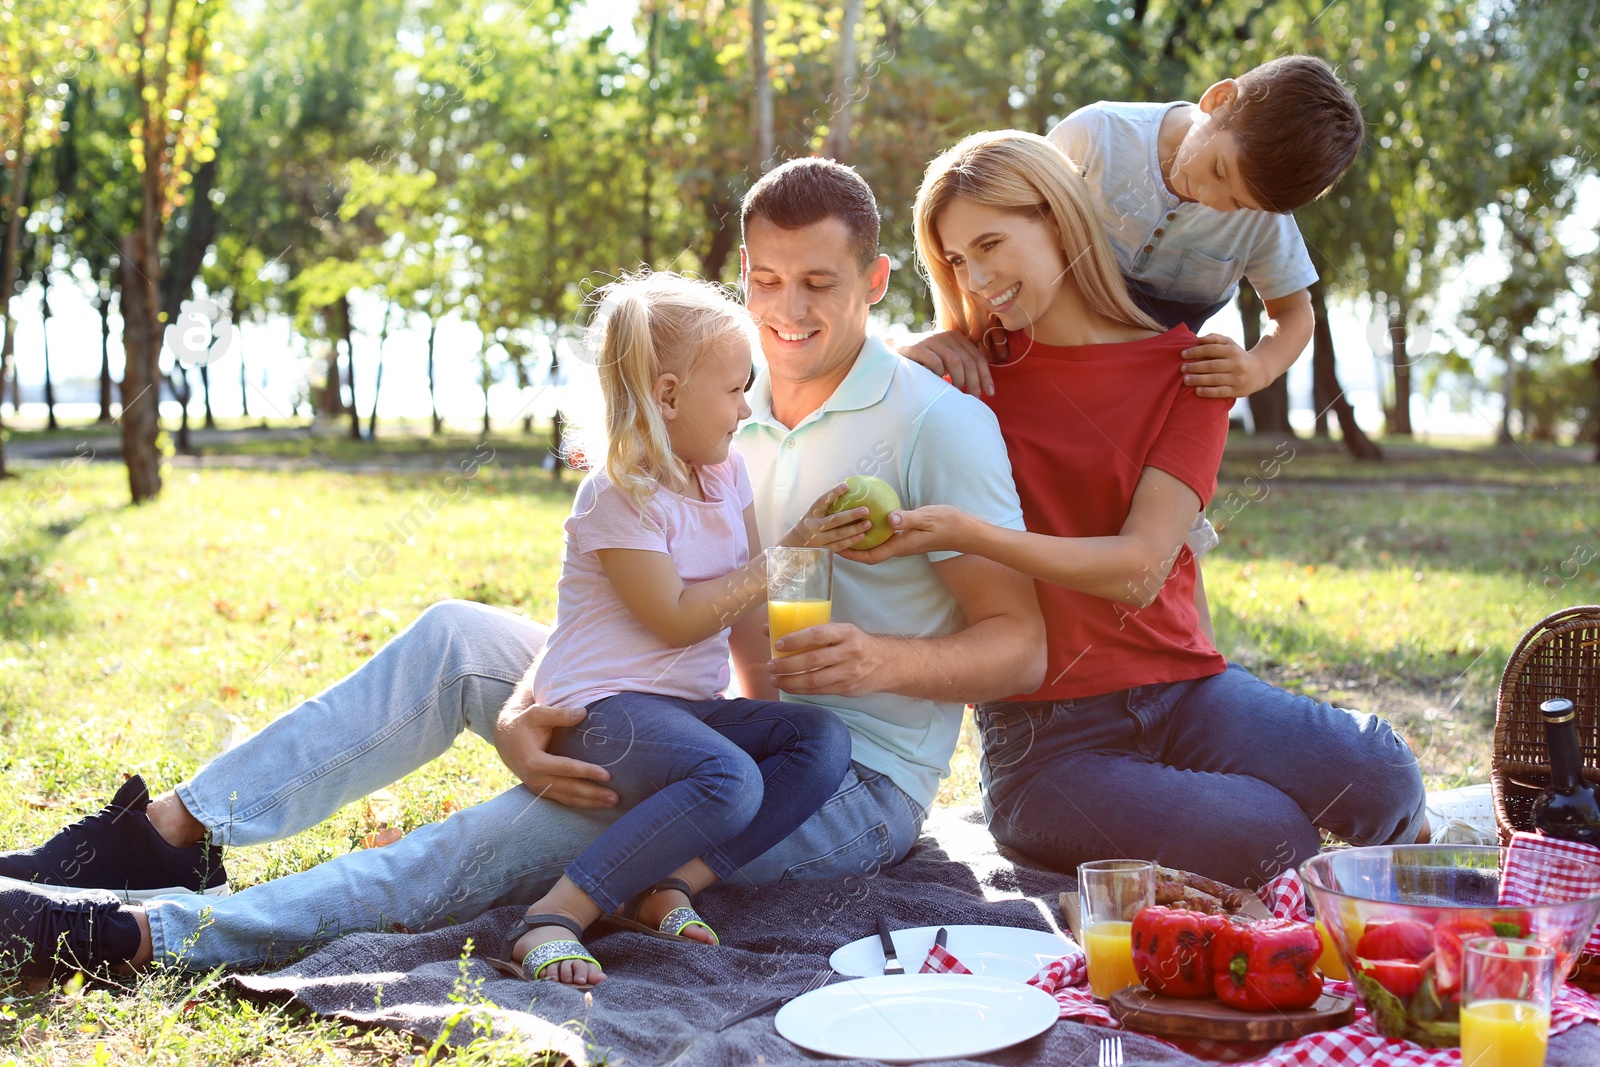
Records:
x=1180, y=251
x=599, y=648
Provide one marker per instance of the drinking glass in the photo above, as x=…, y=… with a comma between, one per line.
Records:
x=1505, y=1002
x=1110, y=894
x=799, y=591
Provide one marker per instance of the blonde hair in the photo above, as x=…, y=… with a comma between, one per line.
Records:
x=1024, y=174
x=649, y=324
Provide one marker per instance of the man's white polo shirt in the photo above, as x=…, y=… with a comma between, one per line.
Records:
x=935, y=445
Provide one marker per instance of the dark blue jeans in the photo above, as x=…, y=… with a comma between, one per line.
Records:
x=1227, y=776
x=1171, y=312
x=722, y=780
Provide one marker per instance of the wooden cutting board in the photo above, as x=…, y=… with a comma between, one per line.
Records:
x=1139, y=1009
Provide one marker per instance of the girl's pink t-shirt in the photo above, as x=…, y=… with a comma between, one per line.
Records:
x=598, y=648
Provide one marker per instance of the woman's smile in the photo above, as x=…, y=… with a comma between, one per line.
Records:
x=1005, y=298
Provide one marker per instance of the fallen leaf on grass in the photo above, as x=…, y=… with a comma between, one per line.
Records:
x=378, y=838
x=40, y=802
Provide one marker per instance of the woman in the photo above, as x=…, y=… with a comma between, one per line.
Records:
x=1143, y=741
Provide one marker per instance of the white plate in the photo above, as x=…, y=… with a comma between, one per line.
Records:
x=993, y=951
x=910, y=1018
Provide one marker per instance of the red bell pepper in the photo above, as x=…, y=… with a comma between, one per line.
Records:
x=1172, y=950
x=1265, y=965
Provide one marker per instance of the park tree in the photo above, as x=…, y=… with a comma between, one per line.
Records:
x=170, y=57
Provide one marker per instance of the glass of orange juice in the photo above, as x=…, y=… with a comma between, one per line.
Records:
x=1110, y=894
x=1508, y=984
x=799, y=591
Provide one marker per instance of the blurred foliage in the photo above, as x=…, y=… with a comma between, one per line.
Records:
x=494, y=163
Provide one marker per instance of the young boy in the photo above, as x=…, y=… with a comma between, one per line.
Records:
x=1196, y=196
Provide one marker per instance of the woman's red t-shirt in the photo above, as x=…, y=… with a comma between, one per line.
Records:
x=1080, y=424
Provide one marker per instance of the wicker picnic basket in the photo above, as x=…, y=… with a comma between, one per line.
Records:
x=1559, y=657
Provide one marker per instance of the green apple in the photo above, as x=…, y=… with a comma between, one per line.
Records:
x=879, y=498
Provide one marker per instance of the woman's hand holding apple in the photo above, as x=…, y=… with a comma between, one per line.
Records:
x=934, y=528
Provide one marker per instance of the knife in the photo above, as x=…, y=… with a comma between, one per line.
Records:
x=891, y=962
x=940, y=937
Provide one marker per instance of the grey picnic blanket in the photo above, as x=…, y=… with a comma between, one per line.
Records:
x=662, y=1001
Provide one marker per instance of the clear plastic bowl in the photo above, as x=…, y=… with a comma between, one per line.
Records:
x=1441, y=895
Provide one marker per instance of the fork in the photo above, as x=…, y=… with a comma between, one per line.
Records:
x=818, y=980
x=1111, y=1051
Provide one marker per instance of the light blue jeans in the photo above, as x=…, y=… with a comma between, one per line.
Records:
x=451, y=670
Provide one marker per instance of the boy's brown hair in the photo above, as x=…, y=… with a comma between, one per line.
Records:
x=803, y=192
x=1298, y=128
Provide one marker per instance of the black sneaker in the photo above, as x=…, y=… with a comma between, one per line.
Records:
x=116, y=848
x=45, y=932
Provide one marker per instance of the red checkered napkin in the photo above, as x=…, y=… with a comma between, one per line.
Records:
x=1526, y=881
x=1066, y=979
x=1285, y=897
x=940, y=961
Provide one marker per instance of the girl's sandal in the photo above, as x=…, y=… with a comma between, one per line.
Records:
x=672, y=925
x=541, y=956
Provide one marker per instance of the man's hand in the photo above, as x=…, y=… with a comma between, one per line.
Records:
x=950, y=355
x=1220, y=370
x=839, y=659
x=522, y=737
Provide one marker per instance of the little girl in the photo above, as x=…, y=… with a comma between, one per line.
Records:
x=661, y=558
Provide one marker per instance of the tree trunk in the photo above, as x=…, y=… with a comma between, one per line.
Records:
x=238, y=336
x=484, y=381
x=205, y=392
x=377, y=382
x=558, y=427
x=761, y=103
x=1508, y=393
x=106, y=294
x=1594, y=407
x=343, y=306
x=844, y=84
x=433, y=399
x=1269, y=407
x=7, y=332
x=140, y=377
x=49, y=384
x=1397, y=420
x=1324, y=366
x=180, y=376
x=722, y=223
x=190, y=244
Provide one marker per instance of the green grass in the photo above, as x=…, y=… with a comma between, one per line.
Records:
x=136, y=639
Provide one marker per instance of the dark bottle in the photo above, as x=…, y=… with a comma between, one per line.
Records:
x=1567, y=808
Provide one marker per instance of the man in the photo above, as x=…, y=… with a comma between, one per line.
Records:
x=923, y=637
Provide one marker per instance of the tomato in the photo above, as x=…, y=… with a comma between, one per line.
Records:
x=1401, y=977
x=1395, y=939
x=1448, y=934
